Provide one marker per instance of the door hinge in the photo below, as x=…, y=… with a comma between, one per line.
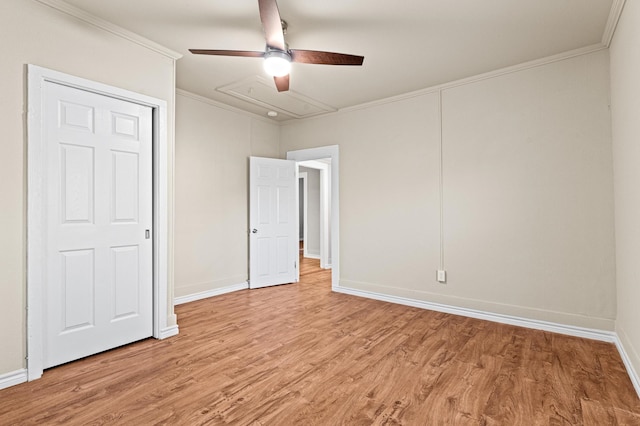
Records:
x=295, y=264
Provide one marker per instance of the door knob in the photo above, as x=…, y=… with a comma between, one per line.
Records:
x=255, y=231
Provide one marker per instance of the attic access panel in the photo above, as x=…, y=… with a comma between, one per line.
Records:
x=260, y=91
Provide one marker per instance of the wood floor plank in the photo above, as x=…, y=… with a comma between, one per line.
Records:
x=300, y=354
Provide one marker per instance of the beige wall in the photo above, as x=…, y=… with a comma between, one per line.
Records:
x=625, y=115
x=389, y=174
x=528, y=205
x=31, y=33
x=213, y=145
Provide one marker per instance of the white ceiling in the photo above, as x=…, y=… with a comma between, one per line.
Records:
x=408, y=45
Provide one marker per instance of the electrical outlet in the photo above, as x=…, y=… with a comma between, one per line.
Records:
x=442, y=276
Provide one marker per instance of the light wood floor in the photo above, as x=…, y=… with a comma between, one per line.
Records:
x=302, y=355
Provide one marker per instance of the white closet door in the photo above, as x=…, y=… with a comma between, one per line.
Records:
x=98, y=285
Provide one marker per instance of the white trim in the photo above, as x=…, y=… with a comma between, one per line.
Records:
x=332, y=152
x=13, y=378
x=612, y=21
x=221, y=105
x=314, y=164
x=84, y=16
x=469, y=80
x=621, y=339
x=166, y=332
x=587, y=333
x=169, y=212
x=210, y=293
x=36, y=228
x=312, y=256
x=161, y=228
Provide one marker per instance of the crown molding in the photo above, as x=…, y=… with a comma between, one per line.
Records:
x=222, y=105
x=469, y=80
x=109, y=27
x=612, y=21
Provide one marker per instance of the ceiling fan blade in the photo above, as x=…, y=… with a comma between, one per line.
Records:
x=245, y=53
x=324, y=58
x=282, y=83
x=272, y=24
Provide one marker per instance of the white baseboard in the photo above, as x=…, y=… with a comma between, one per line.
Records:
x=587, y=333
x=210, y=293
x=311, y=256
x=626, y=359
x=13, y=378
x=168, y=332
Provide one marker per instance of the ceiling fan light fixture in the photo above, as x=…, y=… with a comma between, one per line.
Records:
x=277, y=63
x=277, y=55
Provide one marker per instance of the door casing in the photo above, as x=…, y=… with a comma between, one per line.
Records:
x=36, y=208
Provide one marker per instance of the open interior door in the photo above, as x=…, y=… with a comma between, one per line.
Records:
x=273, y=222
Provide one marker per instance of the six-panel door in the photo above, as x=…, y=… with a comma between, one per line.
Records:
x=98, y=284
x=273, y=222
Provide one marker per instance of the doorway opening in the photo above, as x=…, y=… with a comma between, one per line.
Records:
x=321, y=241
x=315, y=208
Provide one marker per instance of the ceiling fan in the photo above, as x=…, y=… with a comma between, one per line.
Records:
x=277, y=55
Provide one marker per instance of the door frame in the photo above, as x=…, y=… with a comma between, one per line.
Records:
x=332, y=152
x=37, y=77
